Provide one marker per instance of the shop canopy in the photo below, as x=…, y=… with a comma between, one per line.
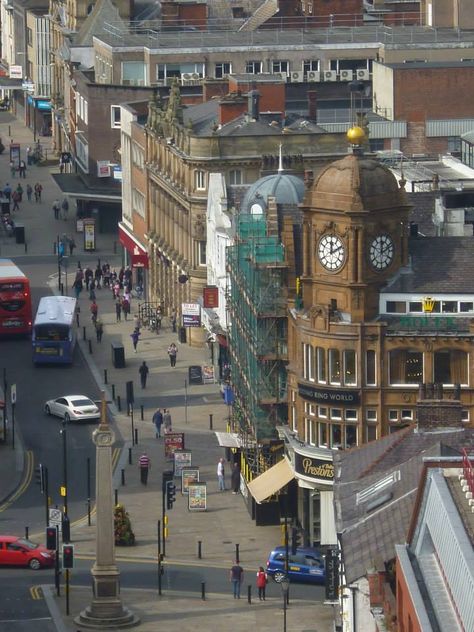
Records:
x=271, y=481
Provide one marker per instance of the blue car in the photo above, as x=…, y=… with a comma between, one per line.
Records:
x=306, y=565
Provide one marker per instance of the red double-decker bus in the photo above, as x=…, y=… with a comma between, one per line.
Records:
x=15, y=300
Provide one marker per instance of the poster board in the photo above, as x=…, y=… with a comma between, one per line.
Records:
x=189, y=475
x=208, y=376
x=89, y=234
x=197, y=496
x=173, y=441
x=182, y=459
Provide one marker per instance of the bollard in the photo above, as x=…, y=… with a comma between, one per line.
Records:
x=237, y=557
x=142, y=412
x=200, y=549
x=119, y=404
x=77, y=319
x=27, y=532
x=116, y=496
x=249, y=593
x=90, y=346
x=210, y=422
x=203, y=591
x=105, y=376
x=113, y=392
x=122, y=473
x=136, y=436
x=83, y=333
x=129, y=456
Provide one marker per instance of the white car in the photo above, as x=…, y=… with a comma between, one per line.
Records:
x=72, y=408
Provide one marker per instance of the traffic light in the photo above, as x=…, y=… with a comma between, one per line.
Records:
x=68, y=556
x=170, y=494
x=51, y=538
x=39, y=477
x=295, y=540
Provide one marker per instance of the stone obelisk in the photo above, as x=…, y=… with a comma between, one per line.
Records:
x=106, y=609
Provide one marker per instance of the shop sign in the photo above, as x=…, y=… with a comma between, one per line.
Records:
x=139, y=258
x=341, y=397
x=16, y=72
x=210, y=296
x=191, y=314
x=312, y=468
x=332, y=574
x=103, y=168
x=429, y=323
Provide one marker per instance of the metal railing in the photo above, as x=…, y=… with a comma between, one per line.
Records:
x=468, y=470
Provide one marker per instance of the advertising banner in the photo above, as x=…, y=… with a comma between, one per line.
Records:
x=197, y=496
x=173, y=441
x=191, y=313
x=210, y=296
x=182, y=459
x=89, y=234
x=208, y=376
x=189, y=475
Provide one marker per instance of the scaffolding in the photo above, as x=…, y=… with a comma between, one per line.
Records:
x=257, y=306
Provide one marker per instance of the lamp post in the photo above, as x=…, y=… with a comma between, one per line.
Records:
x=285, y=585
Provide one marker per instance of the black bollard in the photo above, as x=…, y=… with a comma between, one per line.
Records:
x=105, y=376
x=210, y=422
x=249, y=593
x=200, y=549
x=237, y=557
x=90, y=346
x=136, y=436
x=77, y=319
x=122, y=473
x=83, y=333
x=129, y=456
x=203, y=591
x=27, y=532
x=116, y=496
x=142, y=411
x=113, y=392
x=119, y=403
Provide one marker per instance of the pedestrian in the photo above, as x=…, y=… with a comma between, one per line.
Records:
x=235, y=478
x=116, y=289
x=92, y=295
x=65, y=208
x=125, y=307
x=7, y=191
x=12, y=168
x=236, y=577
x=137, y=322
x=167, y=420
x=19, y=190
x=172, y=353
x=22, y=169
x=38, y=191
x=143, y=371
x=98, y=276
x=99, y=329
x=106, y=274
x=28, y=155
x=72, y=245
x=88, y=274
x=29, y=191
x=262, y=581
x=56, y=208
x=16, y=199
x=135, y=336
x=158, y=421
x=221, y=475
x=144, y=464
x=77, y=287
x=118, y=309
x=94, y=311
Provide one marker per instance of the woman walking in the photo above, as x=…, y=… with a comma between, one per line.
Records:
x=135, y=337
x=261, y=583
x=172, y=353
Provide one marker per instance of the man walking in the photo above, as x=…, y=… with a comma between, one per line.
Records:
x=144, y=464
x=236, y=577
x=158, y=421
x=143, y=371
x=221, y=475
x=167, y=420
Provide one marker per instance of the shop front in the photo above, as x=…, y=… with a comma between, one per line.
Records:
x=136, y=256
x=38, y=115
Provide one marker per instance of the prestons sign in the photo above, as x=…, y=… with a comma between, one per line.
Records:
x=311, y=468
x=329, y=395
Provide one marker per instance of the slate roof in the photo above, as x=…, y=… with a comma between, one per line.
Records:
x=369, y=534
x=438, y=264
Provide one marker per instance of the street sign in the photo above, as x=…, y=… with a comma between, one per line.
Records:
x=56, y=518
x=28, y=86
x=13, y=393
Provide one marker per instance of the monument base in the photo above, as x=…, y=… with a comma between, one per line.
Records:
x=106, y=614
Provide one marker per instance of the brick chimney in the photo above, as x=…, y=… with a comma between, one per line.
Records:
x=253, y=104
x=434, y=412
x=312, y=106
x=231, y=107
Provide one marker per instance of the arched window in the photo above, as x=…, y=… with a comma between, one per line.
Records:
x=450, y=366
x=406, y=366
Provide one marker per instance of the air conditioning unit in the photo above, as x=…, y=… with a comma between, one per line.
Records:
x=186, y=76
x=313, y=75
x=346, y=75
x=195, y=76
x=362, y=74
x=296, y=76
x=330, y=75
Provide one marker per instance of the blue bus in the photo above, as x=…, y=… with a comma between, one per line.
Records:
x=54, y=335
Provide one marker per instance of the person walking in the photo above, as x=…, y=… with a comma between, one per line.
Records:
x=236, y=577
x=158, y=421
x=19, y=190
x=38, y=192
x=172, y=353
x=135, y=337
x=92, y=295
x=56, y=208
x=77, y=287
x=235, y=478
x=167, y=420
x=16, y=199
x=125, y=307
x=137, y=322
x=22, y=169
x=143, y=371
x=221, y=475
x=94, y=311
x=12, y=168
x=7, y=191
x=65, y=208
x=144, y=464
x=99, y=329
x=72, y=245
x=29, y=191
x=262, y=580
x=98, y=276
x=118, y=309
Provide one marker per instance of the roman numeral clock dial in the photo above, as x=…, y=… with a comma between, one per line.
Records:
x=381, y=251
x=331, y=252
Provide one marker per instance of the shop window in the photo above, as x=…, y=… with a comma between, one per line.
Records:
x=323, y=434
x=336, y=413
x=466, y=306
x=336, y=436
x=371, y=433
x=393, y=415
x=396, y=307
x=351, y=414
x=334, y=366
x=351, y=435
x=323, y=412
x=350, y=375
x=415, y=306
x=370, y=371
x=450, y=367
x=321, y=358
x=406, y=367
x=371, y=414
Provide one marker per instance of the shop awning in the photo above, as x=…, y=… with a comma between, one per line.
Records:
x=137, y=252
x=86, y=187
x=271, y=481
x=228, y=439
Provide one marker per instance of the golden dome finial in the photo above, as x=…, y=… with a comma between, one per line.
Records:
x=356, y=135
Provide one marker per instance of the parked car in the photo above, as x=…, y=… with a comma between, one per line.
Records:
x=306, y=565
x=72, y=408
x=15, y=551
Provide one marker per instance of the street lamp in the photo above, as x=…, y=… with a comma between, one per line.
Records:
x=65, y=525
x=285, y=585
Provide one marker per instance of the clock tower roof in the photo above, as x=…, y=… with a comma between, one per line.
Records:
x=356, y=184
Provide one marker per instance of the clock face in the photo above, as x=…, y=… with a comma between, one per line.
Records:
x=256, y=209
x=331, y=252
x=381, y=252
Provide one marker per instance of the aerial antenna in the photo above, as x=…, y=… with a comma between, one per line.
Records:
x=280, y=160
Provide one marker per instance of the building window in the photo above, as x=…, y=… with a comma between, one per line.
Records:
x=200, y=180
x=308, y=367
x=450, y=367
x=280, y=66
x=253, y=67
x=407, y=415
x=393, y=415
x=415, y=306
x=465, y=415
x=138, y=157
x=235, y=176
x=449, y=307
x=336, y=436
x=294, y=425
x=323, y=434
x=406, y=367
x=201, y=253
x=311, y=432
x=133, y=73
x=350, y=375
x=321, y=359
x=138, y=202
x=466, y=306
x=371, y=414
x=396, y=307
x=323, y=412
x=29, y=38
x=370, y=369
x=351, y=414
x=334, y=366
x=311, y=65
x=115, y=116
x=371, y=433
x=222, y=68
x=336, y=413
x=350, y=436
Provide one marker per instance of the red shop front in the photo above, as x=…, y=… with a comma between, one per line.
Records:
x=136, y=257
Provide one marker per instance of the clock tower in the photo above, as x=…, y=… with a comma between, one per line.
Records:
x=355, y=234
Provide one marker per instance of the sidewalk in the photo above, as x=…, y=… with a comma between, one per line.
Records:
x=226, y=521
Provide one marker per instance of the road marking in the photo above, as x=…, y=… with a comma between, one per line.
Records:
x=24, y=483
x=36, y=592
x=154, y=560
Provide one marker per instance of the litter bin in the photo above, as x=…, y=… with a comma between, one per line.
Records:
x=182, y=334
x=5, y=205
x=19, y=233
x=118, y=355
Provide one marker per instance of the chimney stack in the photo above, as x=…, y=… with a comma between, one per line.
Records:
x=433, y=412
x=312, y=105
x=253, y=103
